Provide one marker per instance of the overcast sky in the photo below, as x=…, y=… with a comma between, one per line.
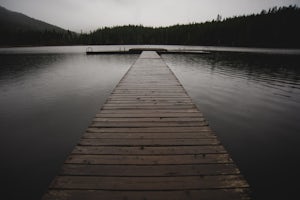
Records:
x=86, y=15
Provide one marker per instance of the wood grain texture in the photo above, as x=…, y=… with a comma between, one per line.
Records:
x=224, y=194
x=149, y=150
x=149, y=159
x=149, y=183
x=149, y=141
x=155, y=135
x=149, y=170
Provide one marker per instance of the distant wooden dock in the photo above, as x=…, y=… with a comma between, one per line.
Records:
x=159, y=51
x=148, y=141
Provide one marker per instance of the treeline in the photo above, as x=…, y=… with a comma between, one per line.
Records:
x=38, y=38
x=277, y=27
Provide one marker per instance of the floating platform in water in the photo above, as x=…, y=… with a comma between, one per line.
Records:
x=140, y=50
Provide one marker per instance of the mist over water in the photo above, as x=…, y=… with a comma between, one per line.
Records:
x=48, y=96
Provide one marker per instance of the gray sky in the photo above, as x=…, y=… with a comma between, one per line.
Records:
x=87, y=15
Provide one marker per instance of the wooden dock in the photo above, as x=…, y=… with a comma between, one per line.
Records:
x=159, y=51
x=148, y=141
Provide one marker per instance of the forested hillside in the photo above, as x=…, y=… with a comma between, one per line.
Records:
x=277, y=27
x=273, y=28
x=19, y=29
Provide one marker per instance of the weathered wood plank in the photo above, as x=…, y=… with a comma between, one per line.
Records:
x=167, y=90
x=149, y=159
x=148, y=108
x=153, y=95
x=146, y=150
x=147, y=99
x=149, y=170
x=224, y=194
x=145, y=115
x=148, y=102
x=143, y=104
x=150, y=130
x=155, y=135
x=149, y=183
x=127, y=87
x=156, y=111
x=147, y=119
x=128, y=124
x=149, y=142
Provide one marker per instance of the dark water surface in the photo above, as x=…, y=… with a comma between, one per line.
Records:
x=46, y=103
x=252, y=101
x=47, y=100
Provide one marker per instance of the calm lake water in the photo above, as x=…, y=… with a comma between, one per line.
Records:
x=48, y=96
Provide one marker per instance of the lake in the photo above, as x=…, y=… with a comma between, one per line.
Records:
x=48, y=96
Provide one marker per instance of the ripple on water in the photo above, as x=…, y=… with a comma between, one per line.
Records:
x=252, y=101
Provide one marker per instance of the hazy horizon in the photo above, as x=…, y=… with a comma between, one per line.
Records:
x=90, y=15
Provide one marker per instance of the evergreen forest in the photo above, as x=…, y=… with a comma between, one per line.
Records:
x=276, y=27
